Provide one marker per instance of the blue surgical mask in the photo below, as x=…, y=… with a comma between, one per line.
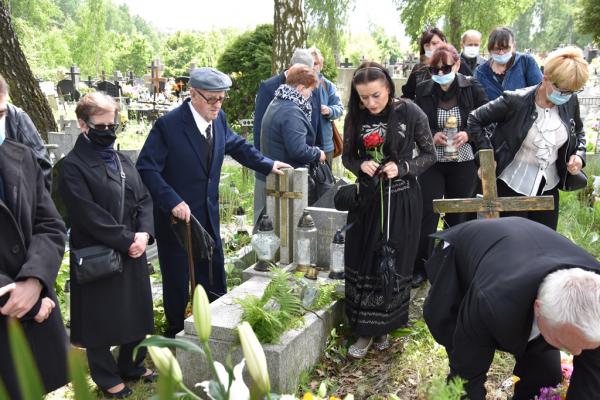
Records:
x=502, y=59
x=428, y=53
x=444, y=79
x=2, y=129
x=557, y=98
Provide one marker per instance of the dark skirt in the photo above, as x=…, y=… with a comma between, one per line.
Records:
x=367, y=311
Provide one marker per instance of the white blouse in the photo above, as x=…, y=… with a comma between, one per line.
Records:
x=536, y=159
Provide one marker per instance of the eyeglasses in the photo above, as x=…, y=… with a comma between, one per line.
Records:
x=446, y=69
x=103, y=127
x=501, y=49
x=213, y=100
x=566, y=92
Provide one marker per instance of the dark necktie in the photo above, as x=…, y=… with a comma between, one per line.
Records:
x=209, y=141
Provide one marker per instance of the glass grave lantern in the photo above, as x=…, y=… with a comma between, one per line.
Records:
x=337, y=263
x=305, y=245
x=265, y=244
x=239, y=220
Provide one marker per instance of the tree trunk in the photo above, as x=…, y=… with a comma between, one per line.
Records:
x=289, y=32
x=24, y=89
x=335, y=37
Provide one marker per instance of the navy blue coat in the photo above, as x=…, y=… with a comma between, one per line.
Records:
x=287, y=135
x=173, y=167
x=266, y=93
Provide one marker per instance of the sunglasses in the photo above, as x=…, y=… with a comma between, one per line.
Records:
x=566, y=92
x=103, y=127
x=446, y=69
x=213, y=100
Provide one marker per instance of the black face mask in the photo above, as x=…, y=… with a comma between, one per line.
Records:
x=102, y=138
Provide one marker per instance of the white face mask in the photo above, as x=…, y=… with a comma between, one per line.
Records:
x=2, y=129
x=471, y=51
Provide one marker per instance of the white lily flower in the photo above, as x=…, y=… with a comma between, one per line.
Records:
x=201, y=312
x=255, y=357
x=165, y=362
x=238, y=389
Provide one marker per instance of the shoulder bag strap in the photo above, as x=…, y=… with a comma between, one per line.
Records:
x=122, y=174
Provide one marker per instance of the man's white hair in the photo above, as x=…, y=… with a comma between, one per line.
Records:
x=572, y=296
x=470, y=32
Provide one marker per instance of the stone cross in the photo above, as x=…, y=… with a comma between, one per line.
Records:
x=287, y=196
x=491, y=205
x=346, y=63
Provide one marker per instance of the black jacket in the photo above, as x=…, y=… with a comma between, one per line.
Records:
x=483, y=288
x=32, y=245
x=515, y=112
x=118, y=309
x=420, y=73
x=470, y=64
x=471, y=95
x=20, y=128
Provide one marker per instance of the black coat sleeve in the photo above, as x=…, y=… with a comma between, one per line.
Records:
x=46, y=248
x=494, y=111
x=585, y=380
x=350, y=156
x=424, y=141
x=580, y=149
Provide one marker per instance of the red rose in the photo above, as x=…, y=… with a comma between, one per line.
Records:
x=372, y=140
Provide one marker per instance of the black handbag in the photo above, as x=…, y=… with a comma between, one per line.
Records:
x=346, y=198
x=575, y=182
x=320, y=180
x=93, y=263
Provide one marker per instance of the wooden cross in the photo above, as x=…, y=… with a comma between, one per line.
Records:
x=74, y=74
x=491, y=205
x=155, y=78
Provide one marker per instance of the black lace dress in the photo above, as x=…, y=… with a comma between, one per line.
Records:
x=404, y=127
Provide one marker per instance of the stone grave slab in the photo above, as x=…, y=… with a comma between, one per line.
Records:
x=298, y=349
x=327, y=221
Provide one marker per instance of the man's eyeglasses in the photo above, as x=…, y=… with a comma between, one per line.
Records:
x=103, y=127
x=446, y=69
x=213, y=100
x=566, y=92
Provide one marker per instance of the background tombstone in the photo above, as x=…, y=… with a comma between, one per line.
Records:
x=67, y=90
x=110, y=88
x=327, y=221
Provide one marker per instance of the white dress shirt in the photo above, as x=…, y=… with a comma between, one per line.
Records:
x=201, y=123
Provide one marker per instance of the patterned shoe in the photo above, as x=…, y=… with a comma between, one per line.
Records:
x=384, y=344
x=358, y=352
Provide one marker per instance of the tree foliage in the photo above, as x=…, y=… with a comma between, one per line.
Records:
x=457, y=16
x=326, y=20
x=547, y=24
x=588, y=18
x=390, y=46
x=248, y=61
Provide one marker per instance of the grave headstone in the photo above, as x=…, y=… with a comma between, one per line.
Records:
x=327, y=221
x=67, y=90
x=110, y=88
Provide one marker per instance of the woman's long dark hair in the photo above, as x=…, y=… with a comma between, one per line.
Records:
x=368, y=71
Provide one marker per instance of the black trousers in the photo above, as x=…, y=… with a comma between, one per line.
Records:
x=548, y=218
x=451, y=180
x=538, y=367
x=106, y=372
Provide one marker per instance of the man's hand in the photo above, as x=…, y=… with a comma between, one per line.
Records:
x=182, y=211
x=23, y=296
x=325, y=110
x=574, y=165
x=138, y=247
x=278, y=166
x=45, y=310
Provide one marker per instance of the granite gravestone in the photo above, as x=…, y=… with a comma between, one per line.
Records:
x=327, y=222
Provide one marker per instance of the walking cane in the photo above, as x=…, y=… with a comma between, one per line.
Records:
x=190, y=254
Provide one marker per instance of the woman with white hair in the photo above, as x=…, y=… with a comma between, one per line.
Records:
x=539, y=139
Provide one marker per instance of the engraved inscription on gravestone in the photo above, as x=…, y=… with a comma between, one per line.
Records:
x=327, y=221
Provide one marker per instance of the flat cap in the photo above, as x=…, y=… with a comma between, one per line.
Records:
x=207, y=78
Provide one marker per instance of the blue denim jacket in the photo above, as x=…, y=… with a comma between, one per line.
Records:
x=523, y=73
x=329, y=98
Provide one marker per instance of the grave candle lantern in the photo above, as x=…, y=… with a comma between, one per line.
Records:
x=239, y=219
x=305, y=245
x=337, y=264
x=265, y=243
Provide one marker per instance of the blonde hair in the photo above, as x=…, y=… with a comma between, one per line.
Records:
x=567, y=68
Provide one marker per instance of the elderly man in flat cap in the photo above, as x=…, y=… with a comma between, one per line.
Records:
x=180, y=164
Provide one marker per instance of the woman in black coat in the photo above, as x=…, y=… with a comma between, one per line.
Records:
x=539, y=139
x=380, y=135
x=116, y=310
x=31, y=251
x=447, y=94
